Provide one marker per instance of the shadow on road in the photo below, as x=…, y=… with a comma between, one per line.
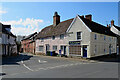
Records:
x=2, y=74
x=108, y=58
x=13, y=60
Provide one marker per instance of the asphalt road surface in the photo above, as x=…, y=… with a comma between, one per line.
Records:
x=29, y=66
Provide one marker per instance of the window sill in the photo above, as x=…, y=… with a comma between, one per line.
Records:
x=79, y=39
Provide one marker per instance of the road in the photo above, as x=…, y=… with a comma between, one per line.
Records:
x=29, y=66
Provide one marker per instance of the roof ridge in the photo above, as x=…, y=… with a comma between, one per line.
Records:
x=96, y=27
x=66, y=20
x=91, y=21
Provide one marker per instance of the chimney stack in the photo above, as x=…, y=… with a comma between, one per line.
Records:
x=89, y=17
x=82, y=16
x=112, y=22
x=108, y=26
x=56, y=19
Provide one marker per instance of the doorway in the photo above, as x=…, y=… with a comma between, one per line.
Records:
x=47, y=47
x=84, y=51
x=63, y=48
x=110, y=49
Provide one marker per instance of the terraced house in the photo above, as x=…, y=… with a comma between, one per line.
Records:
x=77, y=36
x=8, y=44
x=28, y=43
x=115, y=29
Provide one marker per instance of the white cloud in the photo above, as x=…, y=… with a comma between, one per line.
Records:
x=2, y=12
x=24, y=30
x=24, y=27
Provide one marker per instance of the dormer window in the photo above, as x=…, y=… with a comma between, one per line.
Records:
x=62, y=36
x=53, y=37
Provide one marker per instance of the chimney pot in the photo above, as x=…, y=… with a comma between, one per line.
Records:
x=82, y=16
x=112, y=22
x=108, y=25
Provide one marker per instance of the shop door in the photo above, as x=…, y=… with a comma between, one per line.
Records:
x=84, y=51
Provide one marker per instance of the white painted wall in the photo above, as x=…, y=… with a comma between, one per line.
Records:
x=87, y=39
x=79, y=26
x=57, y=41
x=12, y=40
x=4, y=38
x=102, y=44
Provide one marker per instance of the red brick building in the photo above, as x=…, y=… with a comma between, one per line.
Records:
x=28, y=43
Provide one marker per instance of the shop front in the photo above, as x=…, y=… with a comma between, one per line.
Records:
x=75, y=47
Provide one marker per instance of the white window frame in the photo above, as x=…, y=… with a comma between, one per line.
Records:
x=61, y=47
x=62, y=36
x=42, y=39
x=80, y=35
x=105, y=38
x=54, y=47
x=104, y=50
x=53, y=38
x=95, y=36
x=41, y=49
x=95, y=51
x=109, y=38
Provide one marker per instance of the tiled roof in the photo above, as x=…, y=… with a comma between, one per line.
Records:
x=98, y=28
x=7, y=32
x=117, y=27
x=29, y=36
x=62, y=27
x=51, y=30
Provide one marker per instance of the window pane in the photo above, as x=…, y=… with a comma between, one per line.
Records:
x=55, y=48
x=40, y=48
x=53, y=37
x=61, y=48
x=95, y=36
x=78, y=35
x=104, y=37
x=61, y=36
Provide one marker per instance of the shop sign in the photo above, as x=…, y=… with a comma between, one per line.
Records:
x=74, y=42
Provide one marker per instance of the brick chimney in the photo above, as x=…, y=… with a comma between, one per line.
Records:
x=108, y=26
x=56, y=19
x=89, y=17
x=112, y=22
x=82, y=16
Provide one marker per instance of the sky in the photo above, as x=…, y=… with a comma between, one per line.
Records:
x=28, y=17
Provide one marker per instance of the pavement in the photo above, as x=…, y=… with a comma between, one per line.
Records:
x=31, y=66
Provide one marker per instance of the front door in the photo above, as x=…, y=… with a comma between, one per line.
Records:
x=84, y=51
x=64, y=50
x=110, y=49
x=47, y=48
